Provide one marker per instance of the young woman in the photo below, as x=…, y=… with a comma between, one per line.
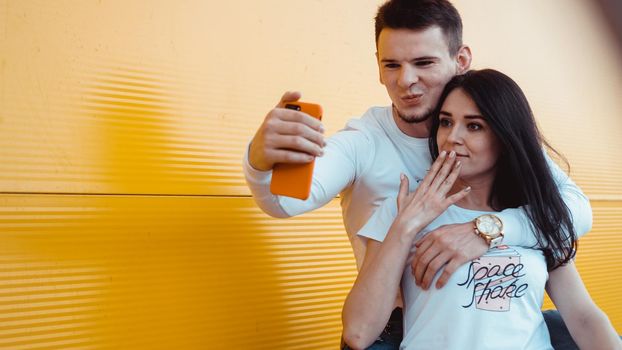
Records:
x=489, y=157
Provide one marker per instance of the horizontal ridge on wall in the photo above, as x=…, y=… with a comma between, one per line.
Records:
x=141, y=271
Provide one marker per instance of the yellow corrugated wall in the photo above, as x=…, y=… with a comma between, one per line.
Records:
x=124, y=219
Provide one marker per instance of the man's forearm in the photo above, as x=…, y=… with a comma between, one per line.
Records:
x=332, y=173
x=259, y=184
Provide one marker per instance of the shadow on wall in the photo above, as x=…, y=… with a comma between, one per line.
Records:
x=198, y=269
x=612, y=13
x=133, y=118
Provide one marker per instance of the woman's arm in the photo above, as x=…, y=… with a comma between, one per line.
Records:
x=370, y=302
x=588, y=325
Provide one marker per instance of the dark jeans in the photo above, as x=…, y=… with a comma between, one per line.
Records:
x=392, y=334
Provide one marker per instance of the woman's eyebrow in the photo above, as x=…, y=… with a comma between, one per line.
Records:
x=468, y=116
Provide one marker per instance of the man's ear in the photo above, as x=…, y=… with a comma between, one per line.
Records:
x=379, y=69
x=463, y=59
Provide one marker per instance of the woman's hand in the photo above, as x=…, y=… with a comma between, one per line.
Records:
x=418, y=209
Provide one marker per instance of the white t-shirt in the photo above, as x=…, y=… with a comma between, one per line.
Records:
x=363, y=163
x=492, y=302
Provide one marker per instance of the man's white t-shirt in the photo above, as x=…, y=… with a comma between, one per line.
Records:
x=363, y=163
x=492, y=302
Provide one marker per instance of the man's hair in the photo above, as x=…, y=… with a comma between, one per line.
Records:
x=420, y=15
x=523, y=176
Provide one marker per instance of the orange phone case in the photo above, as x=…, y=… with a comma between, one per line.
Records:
x=294, y=180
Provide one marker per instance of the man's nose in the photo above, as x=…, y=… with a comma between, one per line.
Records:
x=408, y=75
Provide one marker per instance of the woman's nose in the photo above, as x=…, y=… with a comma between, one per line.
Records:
x=456, y=135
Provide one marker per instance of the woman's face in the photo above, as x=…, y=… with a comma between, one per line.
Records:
x=463, y=129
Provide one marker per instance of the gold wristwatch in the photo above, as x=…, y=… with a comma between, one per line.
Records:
x=490, y=228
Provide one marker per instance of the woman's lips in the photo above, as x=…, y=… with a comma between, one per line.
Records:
x=457, y=154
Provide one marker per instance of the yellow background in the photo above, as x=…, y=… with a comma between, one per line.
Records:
x=124, y=218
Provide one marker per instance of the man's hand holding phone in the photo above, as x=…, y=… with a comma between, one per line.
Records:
x=286, y=136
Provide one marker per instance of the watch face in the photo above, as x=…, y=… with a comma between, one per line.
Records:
x=489, y=224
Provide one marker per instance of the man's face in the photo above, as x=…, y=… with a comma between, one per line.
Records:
x=414, y=68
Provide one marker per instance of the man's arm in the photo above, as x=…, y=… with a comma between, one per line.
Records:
x=344, y=156
x=517, y=228
x=450, y=246
x=286, y=136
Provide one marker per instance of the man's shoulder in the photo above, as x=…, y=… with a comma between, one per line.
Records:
x=372, y=121
x=362, y=135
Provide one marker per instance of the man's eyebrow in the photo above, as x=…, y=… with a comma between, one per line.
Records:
x=424, y=58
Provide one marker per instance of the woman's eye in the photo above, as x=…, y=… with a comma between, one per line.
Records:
x=474, y=126
x=445, y=122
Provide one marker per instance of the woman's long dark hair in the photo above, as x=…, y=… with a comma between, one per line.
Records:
x=523, y=177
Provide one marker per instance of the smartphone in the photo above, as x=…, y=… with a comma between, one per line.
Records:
x=294, y=180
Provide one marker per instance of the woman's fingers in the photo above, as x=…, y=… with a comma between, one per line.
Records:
x=436, y=166
x=402, y=195
x=454, y=198
x=444, y=172
x=448, y=183
x=437, y=183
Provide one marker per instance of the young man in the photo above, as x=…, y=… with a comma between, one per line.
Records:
x=419, y=49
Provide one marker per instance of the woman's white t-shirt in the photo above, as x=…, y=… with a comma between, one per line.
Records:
x=492, y=302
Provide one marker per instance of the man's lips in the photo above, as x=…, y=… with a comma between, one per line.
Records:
x=412, y=99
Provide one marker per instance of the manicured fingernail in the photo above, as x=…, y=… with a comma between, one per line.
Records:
x=443, y=154
x=401, y=176
x=468, y=189
x=321, y=152
x=452, y=154
x=321, y=128
x=458, y=163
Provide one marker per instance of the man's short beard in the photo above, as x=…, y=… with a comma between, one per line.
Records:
x=413, y=119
